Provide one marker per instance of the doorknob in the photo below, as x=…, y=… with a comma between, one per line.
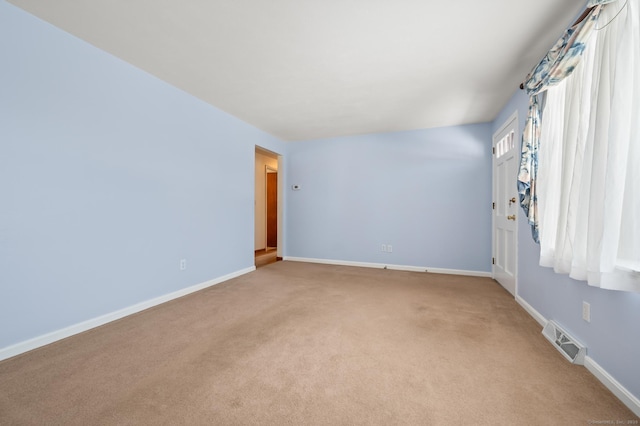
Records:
x=512, y=200
x=511, y=217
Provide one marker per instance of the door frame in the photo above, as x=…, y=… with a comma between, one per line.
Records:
x=494, y=139
x=281, y=197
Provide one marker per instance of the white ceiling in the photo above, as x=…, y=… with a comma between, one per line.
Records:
x=302, y=69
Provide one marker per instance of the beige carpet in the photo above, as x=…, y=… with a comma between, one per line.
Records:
x=296, y=344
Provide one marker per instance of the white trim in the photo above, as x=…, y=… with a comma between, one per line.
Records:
x=531, y=310
x=593, y=367
x=45, y=339
x=613, y=385
x=513, y=118
x=387, y=266
x=281, y=203
x=505, y=124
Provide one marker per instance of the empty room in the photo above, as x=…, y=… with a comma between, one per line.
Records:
x=297, y=212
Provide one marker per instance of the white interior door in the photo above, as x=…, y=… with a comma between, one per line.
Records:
x=505, y=204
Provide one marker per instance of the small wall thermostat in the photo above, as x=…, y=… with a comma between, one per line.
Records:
x=295, y=187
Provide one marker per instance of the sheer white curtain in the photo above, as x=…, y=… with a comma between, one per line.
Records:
x=589, y=159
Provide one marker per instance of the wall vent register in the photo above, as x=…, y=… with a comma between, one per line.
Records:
x=569, y=347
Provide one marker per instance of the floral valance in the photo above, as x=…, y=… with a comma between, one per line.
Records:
x=561, y=60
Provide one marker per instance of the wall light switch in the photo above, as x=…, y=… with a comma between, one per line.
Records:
x=389, y=248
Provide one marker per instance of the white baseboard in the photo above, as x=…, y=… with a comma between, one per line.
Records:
x=45, y=339
x=613, y=385
x=530, y=309
x=593, y=367
x=388, y=266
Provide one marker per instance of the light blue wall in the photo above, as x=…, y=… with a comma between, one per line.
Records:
x=109, y=176
x=613, y=335
x=425, y=192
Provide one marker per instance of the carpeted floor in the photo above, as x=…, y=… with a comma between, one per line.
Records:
x=295, y=343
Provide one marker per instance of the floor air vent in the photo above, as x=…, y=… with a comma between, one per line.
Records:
x=567, y=345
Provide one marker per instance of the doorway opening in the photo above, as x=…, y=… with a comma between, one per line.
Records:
x=268, y=204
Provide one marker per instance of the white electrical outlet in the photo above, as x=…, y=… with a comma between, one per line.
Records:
x=183, y=264
x=389, y=248
x=586, y=311
x=384, y=247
